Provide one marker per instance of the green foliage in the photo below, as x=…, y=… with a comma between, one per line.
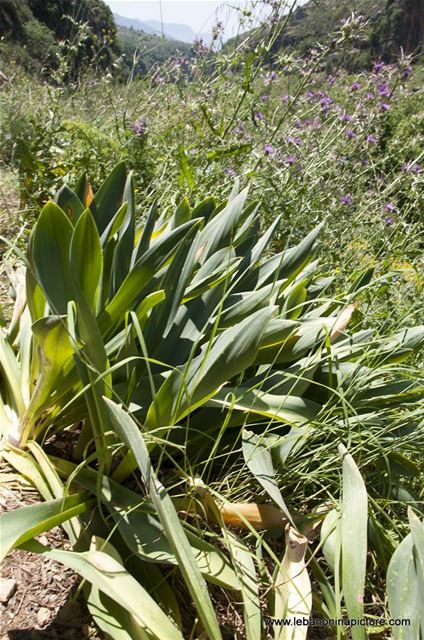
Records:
x=42, y=32
x=175, y=339
x=196, y=340
x=142, y=52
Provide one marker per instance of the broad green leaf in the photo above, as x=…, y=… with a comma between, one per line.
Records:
x=245, y=568
x=131, y=290
x=108, y=199
x=86, y=258
x=182, y=213
x=22, y=524
x=109, y=576
x=330, y=538
x=143, y=243
x=52, y=338
x=219, y=232
x=405, y=590
x=294, y=299
x=185, y=390
x=11, y=374
x=141, y=530
x=50, y=255
x=36, y=299
x=287, y=409
x=132, y=437
x=112, y=618
x=68, y=200
x=259, y=461
x=122, y=256
x=353, y=532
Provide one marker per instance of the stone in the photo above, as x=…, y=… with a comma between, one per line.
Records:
x=43, y=616
x=7, y=589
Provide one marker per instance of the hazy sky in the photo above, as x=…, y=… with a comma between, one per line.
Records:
x=200, y=15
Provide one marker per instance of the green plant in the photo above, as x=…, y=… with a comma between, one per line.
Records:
x=174, y=349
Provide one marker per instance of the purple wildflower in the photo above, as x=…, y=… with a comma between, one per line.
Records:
x=268, y=149
x=379, y=66
x=355, y=85
x=350, y=134
x=259, y=116
x=239, y=129
x=285, y=98
x=230, y=172
x=264, y=98
x=383, y=89
x=316, y=123
x=310, y=95
x=384, y=106
x=270, y=77
x=294, y=140
x=406, y=73
x=369, y=95
x=389, y=220
x=325, y=103
x=411, y=167
x=331, y=80
x=140, y=127
x=346, y=199
x=371, y=139
x=390, y=207
x=290, y=160
x=345, y=117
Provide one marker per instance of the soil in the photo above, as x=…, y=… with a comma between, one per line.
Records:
x=44, y=605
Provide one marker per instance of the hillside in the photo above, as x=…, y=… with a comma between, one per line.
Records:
x=143, y=50
x=33, y=31
x=171, y=31
x=389, y=26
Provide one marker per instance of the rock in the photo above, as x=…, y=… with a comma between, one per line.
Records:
x=7, y=589
x=43, y=616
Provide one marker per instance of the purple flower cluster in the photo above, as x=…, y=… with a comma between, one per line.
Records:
x=379, y=66
x=268, y=149
x=140, y=127
x=270, y=77
x=406, y=72
x=411, y=167
x=346, y=200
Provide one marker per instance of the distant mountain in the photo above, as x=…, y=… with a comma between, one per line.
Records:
x=141, y=51
x=172, y=31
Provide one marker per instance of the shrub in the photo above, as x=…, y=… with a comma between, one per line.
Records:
x=184, y=349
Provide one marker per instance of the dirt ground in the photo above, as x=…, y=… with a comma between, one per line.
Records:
x=42, y=605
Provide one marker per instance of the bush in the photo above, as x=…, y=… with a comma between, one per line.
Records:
x=183, y=348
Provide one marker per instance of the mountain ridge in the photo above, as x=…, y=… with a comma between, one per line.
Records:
x=171, y=30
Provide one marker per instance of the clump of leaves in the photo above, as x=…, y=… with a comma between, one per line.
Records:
x=159, y=349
